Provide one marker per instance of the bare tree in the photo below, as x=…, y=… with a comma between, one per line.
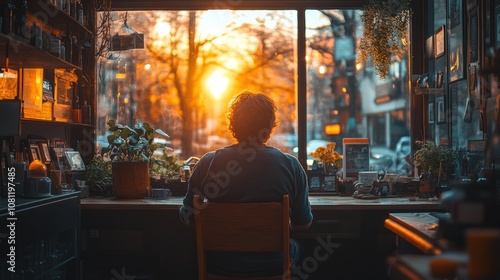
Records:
x=186, y=56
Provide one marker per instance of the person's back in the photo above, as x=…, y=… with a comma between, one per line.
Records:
x=250, y=171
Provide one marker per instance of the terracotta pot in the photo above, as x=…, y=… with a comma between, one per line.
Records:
x=130, y=179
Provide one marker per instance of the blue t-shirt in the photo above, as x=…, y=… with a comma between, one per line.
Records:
x=249, y=173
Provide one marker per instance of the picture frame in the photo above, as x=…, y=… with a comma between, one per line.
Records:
x=330, y=183
x=441, y=110
x=455, y=40
x=34, y=153
x=431, y=113
x=439, y=43
x=64, y=92
x=356, y=156
x=74, y=160
x=44, y=152
x=439, y=80
x=314, y=182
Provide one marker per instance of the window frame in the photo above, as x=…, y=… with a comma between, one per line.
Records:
x=300, y=6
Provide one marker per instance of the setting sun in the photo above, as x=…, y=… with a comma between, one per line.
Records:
x=217, y=84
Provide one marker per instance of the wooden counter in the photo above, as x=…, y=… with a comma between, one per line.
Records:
x=317, y=203
x=419, y=229
x=347, y=239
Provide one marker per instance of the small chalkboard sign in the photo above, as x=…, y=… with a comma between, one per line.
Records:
x=356, y=156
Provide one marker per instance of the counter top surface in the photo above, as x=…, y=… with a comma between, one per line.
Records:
x=419, y=229
x=317, y=203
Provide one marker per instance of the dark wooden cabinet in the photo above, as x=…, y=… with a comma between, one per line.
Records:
x=147, y=240
x=45, y=235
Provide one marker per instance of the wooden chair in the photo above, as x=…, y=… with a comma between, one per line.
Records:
x=242, y=227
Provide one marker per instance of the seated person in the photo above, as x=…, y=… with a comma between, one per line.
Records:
x=250, y=171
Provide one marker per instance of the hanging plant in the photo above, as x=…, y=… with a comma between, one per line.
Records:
x=384, y=36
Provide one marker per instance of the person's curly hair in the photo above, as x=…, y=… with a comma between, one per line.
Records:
x=251, y=117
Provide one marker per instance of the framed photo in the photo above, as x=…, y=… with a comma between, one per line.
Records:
x=74, y=160
x=314, y=182
x=441, y=115
x=439, y=80
x=330, y=183
x=44, y=152
x=455, y=11
x=34, y=153
x=439, y=42
x=455, y=40
x=431, y=112
x=356, y=156
x=63, y=92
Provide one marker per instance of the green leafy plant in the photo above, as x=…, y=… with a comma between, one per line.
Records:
x=98, y=177
x=128, y=144
x=433, y=159
x=384, y=36
x=132, y=144
x=166, y=166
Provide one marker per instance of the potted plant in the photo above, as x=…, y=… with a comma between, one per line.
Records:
x=385, y=29
x=165, y=167
x=434, y=162
x=99, y=178
x=130, y=151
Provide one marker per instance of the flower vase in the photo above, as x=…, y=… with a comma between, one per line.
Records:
x=330, y=169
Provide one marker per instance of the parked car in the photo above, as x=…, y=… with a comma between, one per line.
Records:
x=382, y=159
x=403, y=147
x=403, y=150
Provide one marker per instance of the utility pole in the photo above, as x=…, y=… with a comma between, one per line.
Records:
x=344, y=33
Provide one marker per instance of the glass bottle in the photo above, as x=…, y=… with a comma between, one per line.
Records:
x=86, y=113
x=62, y=54
x=22, y=28
x=36, y=36
x=77, y=109
x=8, y=9
x=79, y=12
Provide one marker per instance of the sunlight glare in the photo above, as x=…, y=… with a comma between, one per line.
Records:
x=214, y=22
x=232, y=64
x=217, y=84
x=162, y=28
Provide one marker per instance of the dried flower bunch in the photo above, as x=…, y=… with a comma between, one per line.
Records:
x=327, y=155
x=385, y=31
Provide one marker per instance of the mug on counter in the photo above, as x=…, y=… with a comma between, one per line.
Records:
x=483, y=249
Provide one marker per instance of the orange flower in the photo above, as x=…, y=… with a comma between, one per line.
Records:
x=328, y=155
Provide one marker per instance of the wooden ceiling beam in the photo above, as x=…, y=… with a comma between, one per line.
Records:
x=234, y=4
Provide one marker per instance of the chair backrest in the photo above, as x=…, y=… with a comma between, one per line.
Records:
x=242, y=227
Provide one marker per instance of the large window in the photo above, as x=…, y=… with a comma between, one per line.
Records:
x=346, y=98
x=190, y=63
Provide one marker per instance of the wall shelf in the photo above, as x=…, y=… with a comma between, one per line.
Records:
x=22, y=55
x=55, y=17
x=43, y=122
x=428, y=91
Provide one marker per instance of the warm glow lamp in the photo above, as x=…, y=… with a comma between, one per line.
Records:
x=332, y=129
